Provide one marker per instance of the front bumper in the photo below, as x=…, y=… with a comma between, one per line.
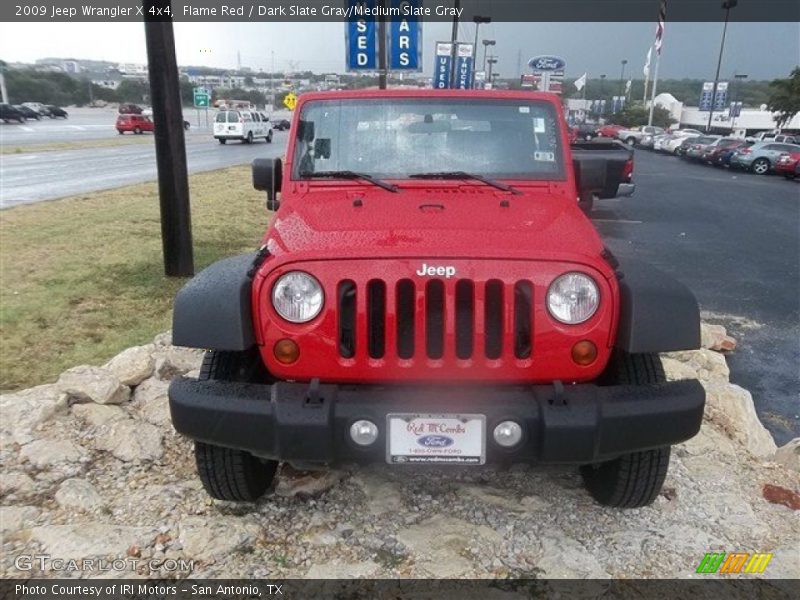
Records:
x=309, y=424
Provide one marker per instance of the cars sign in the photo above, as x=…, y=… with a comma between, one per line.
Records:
x=546, y=63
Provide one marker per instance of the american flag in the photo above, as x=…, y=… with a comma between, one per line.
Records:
x=662, y=16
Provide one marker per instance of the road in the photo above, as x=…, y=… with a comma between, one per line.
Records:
x=88, y=124
x=734, y=239
x=35, y=176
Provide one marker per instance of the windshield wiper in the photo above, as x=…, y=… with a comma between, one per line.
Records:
x=351, y=175
x=464, y=175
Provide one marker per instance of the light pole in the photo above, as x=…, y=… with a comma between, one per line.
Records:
x=492, y=62
x=486, y=44
x=603, y=84
x=622, y=77
x=737, y=77
x=727, y=5
x=478, y=20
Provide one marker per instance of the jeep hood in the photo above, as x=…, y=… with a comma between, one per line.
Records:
x=465, y=222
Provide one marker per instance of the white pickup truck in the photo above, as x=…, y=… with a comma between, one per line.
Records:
x=634, y=136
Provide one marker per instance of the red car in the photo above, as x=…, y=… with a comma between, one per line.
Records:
x=788, y=165
x=134, y=123
x=380, y=321
x=609, y=131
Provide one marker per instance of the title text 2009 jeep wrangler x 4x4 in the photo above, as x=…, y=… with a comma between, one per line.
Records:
x=429, y=292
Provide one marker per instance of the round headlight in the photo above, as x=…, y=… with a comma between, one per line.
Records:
x=297, y=297
x=572, y=298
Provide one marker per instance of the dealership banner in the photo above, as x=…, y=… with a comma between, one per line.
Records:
x=464, y=66
x=361, y=40
x=443, y=65
x=405, y=38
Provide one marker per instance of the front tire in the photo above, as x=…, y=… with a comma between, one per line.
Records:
x=632, y=480
x=269, y=137
x=760, y=166
x=249, y=138
x=222, y=141
x=631, y=141
x=228, y=473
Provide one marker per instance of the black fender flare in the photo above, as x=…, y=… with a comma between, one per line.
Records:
x=657, y=312
x=214, y=310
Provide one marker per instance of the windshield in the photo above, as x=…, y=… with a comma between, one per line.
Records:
x=396, y=138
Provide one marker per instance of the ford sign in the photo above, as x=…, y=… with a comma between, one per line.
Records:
x=547, y=63
x=435, y=441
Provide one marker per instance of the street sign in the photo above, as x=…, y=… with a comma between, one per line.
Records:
x=463, y=66
x=290, y=101
x=441, y=68
x=735, y=110
x=202, y=98
x=404, y=42
x=361, y=39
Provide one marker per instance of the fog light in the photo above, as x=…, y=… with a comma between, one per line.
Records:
x=584, y=352
x=286, y=351
x=508, y=434
x=364, y=433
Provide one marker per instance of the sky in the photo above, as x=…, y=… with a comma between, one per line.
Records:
x=760, y=50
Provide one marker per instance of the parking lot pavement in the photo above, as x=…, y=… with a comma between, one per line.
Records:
x=82, y=124
x=35, y=176
x=732, y=237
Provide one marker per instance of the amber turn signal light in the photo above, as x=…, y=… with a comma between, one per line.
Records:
x=286, y=351
x=584, y=353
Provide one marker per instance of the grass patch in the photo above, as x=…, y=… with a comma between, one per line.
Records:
x=81, y=278
x=120, y=140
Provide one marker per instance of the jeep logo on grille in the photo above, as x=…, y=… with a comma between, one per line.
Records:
x=446, y=271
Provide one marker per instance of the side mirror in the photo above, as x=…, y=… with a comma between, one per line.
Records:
x=268, y=177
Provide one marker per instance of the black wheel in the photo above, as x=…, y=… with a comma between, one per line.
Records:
x=137, y=130
x=760, y=166
x=249, y=138
x=228, y=473
x=120, y=131
x=631, y=480
x=631, y=141
x=586, y=203
x=269, y=137
x=222, y=141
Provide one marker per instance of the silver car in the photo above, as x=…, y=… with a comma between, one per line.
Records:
x=761, y=157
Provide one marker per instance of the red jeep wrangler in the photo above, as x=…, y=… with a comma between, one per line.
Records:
x=430, y=292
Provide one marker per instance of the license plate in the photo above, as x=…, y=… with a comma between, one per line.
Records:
x=436, y=439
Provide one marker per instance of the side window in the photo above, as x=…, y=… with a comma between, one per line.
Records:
x=256, y=118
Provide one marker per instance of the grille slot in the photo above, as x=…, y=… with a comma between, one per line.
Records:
x=405, y=318
x=376, y=318
x=346, y=297
x=523, y=307
x=465, y=318
x=434, y=318
x=493, y=319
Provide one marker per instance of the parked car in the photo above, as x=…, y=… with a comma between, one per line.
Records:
x=787, y=139
x=37, y=107
x=527, y=341
x=584, y=131
x=712, y=151
x=10, y=113
x=788, y=165
x=129, y=108
x=136, y=124
x=723, y=159
x=678, y=137
x=57, y=112
x=694, y=151
x=684, y=144
x=28, y=112
x=761, y=157
x=610, y=130
x=634, y=136
x=244, y=125
x=282, y=125
x=660, y=142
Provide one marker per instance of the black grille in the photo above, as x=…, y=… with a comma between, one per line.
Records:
x=424, y=319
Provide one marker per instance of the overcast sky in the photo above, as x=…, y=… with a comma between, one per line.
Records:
x=761, y=50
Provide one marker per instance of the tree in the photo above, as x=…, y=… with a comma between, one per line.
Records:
x=638, y=115
x=784, y=97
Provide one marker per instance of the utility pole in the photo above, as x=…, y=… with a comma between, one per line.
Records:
x=727, y=5
x=492, y=62
x=737, y=78
x=173, y=180
x=622, y=77
x=486, y=44
x=3, y=90
x=478, y=20
x=382, y=69
x=454, y=40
